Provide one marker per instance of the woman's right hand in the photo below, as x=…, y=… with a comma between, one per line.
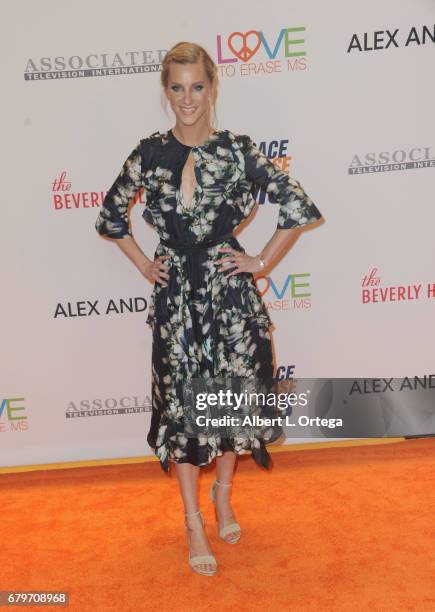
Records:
x=157, y=271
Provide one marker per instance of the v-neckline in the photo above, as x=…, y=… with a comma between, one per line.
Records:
x=181, y=202
x=191, y=205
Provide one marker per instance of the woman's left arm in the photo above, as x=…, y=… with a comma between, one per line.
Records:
x=296, y=209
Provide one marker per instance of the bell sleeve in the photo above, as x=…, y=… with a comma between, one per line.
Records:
x=112, y=220
x=295, y=206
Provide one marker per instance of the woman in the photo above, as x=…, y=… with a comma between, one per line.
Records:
x=206, y=314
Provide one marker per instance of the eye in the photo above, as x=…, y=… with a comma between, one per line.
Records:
x=199, y=87
x=175, y=87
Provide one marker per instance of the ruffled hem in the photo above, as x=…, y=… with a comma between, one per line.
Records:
x=258, y=449
x=162, y=438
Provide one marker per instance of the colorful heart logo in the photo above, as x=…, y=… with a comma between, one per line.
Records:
x=266, y=280
x=244, y=51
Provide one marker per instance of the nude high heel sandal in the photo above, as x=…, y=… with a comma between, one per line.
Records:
x=198, y=560
x=232, y=527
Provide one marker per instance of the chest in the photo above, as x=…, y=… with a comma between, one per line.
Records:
x=187, y=183
x=193, y=178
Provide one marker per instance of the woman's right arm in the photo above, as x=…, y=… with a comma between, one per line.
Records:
x=113, y=222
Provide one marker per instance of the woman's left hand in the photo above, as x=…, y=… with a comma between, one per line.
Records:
x=238, y=261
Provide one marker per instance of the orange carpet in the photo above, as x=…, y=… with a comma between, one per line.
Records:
x=326, y=529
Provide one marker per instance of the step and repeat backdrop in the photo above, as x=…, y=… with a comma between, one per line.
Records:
x=340, y=94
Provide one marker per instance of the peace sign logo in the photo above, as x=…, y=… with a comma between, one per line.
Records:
x=266, y=281
x=243, y=50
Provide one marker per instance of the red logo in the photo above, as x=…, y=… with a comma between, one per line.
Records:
x=244, y=51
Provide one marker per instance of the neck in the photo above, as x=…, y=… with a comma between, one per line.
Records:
x=192, y=135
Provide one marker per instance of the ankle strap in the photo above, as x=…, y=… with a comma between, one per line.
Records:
x=224, y=484
x=192, y=513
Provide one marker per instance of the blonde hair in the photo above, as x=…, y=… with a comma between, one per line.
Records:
x=190, y=53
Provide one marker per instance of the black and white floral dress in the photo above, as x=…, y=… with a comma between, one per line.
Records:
x=204, y=324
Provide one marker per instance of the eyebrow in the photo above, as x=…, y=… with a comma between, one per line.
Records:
x=196, y=83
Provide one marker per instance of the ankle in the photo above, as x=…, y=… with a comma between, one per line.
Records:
x=224, y=483
x=193, y=513
x=223, y=492
x=193, y=520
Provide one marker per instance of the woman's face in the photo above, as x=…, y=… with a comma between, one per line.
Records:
x=189, y=92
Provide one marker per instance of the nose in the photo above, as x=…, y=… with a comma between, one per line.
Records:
x=187, y=98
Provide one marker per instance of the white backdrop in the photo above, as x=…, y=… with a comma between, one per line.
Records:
x=339, y=108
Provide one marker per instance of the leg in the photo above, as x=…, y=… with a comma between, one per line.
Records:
x=224, y=474
x=187, y=475
x=225, y=466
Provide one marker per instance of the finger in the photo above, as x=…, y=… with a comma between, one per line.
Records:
x=233, y=257
x=227, y=258
x=233, y=272
x=160, y=258
x=231, y=261
x=228, y=266
x=224, y=262
x=158, y=267
x=163, y=274
x=227, y=271
x=226, y=249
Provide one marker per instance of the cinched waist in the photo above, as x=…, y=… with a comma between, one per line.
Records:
x=198, y=246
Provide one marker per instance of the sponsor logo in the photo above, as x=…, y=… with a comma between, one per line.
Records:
x=276, y=151
x=253, y=52
x=367, y=386
x=373, y=291
x=64, y=198
x=94, y=65
x=12, y=415
x=389, y=161
x=391, y=39
x=111, y=406
x=293, y=292
x=285, y=372
x=86, y=308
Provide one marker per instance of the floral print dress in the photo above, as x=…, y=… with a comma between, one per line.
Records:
x=204, y=324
